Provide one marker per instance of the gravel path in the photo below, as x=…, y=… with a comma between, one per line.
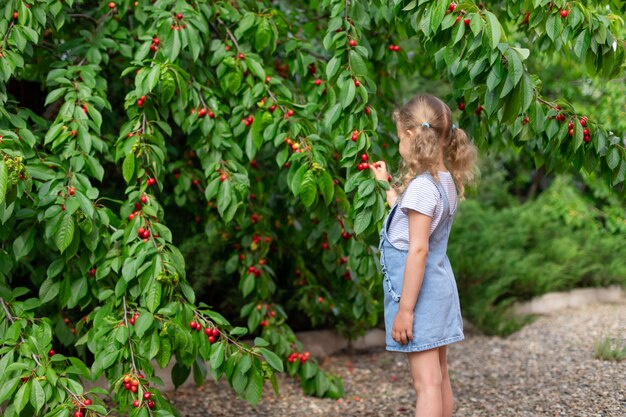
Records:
x=546, y=369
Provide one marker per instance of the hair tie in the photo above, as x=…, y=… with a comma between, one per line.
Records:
x=425, y=124
x=454, y=126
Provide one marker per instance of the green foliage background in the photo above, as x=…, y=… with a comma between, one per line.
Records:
x=152, y=150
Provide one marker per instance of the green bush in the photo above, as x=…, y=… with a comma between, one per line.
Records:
x=556, y=242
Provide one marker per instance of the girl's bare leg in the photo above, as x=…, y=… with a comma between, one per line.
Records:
x=446, y=387
x=427, y=382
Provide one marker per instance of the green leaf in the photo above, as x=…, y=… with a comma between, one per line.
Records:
x=248, y=285
x=438, y=12
x=515, y=67
x=332, y=67
x=217, y=356
x=37, y=396
x=256, y=68
x=612, y=158
x=263, y=35
x=332, y=115
x=272, y=359
x=4, y=175
x=143, y=323
x=128, y=167
x=362, y=221
x=254, y=387
x=357, y=63
x=326, y=186
x=308, y=189
x=347, y=93
x=65, y=233
x=224, y=196
x=21, y=397
x=153, y=297
x=496, y=29
x=583, y=40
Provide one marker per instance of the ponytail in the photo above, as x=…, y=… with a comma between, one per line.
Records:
x=460, y=156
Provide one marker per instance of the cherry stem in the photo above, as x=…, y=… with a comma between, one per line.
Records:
x=130, y=344
x=230, y=34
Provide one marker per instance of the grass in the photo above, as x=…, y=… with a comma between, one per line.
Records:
x=610, y=349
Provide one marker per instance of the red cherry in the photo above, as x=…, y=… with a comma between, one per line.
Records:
x=192, y=324
x=461, y=106
x=467, y=22
x=364, y=157
x=179, y=16
x=365, y=165
x=132, y=321
x=352, y=43
x=457, y=19
x=396, y=48
x=133, y=388
x=241, y=55
x=211, y=114
x=146, y=395
x=525, y=121
x=571, y=132
x=111, y=5
x=452, y=7
x=201, y=112
x=586, y=132
x=87, y=402
x=144, y=199
x=127, y=386
x=263, y=323
x=151, y=404
x=223, y=177
x=267, y=79
x=156, y=41
x=583, y=121
x=290, y=113
x=195, y=182
x=318, y=82
x=127, y=379
x=15, y=15
x=325, y=245
x=391, y=47
x=211, y=339
x=72, y=190
x=136, y=403
x=368, y=111
x=78, y=414
x=51, y=352
x=357, y=83
x=586, y=138
x=272, y=108
x=153, y=48
x=564, y=13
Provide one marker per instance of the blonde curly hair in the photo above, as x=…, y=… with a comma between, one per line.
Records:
x=429, y=120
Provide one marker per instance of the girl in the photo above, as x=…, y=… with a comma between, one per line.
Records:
x=422, y=310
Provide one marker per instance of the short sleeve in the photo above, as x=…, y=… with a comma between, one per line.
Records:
x=420, y=195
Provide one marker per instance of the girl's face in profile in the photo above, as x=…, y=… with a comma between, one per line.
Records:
x=404, y=148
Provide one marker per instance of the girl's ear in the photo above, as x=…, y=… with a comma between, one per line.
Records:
x=409, y=132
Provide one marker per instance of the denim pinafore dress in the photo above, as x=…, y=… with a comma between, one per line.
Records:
x=437, y=317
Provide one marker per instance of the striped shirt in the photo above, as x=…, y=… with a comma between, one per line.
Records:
x=423, y=196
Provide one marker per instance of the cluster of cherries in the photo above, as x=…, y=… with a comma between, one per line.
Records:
x=363, y=165
x=212, y=334
x=355, y=136
x=133, y=319
x=177, y=26
x=143, y=233
x=248, y=121
x=140, y=101
x=254, y=271
x=80, y=412
x=295, y=356
x=132, y=384
x=394, y=48
x=203, y=112
x=583, y=123
x=155, y=44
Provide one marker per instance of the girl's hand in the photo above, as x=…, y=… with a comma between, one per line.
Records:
x=380, y=170
x=402, y=330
